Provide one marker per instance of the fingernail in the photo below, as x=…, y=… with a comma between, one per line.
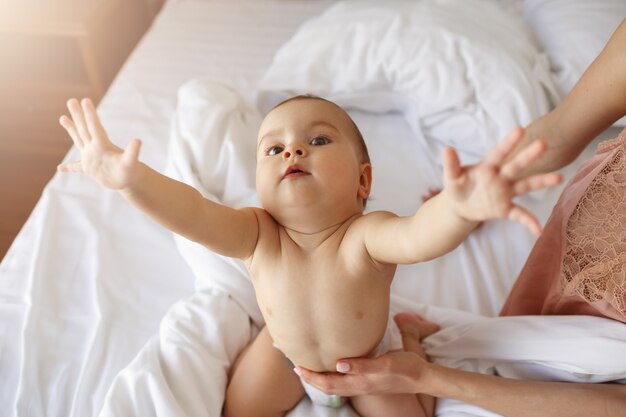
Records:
x=297, y=371
x=343, y=367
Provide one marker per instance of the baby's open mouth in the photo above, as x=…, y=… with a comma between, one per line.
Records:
x=295, y=171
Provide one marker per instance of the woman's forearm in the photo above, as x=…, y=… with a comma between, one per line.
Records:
x=521, y=398
x=597, y=100
x=408, y=372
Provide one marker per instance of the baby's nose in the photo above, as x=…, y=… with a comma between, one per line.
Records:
x=296, y=151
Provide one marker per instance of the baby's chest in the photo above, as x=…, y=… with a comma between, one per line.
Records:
x=301, y=274
x=293, y=283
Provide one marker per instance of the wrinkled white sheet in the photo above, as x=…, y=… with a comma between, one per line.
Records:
x=580, y=349
x=462, y=72
x=183, y=372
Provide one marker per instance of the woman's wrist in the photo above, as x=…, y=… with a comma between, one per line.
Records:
x=428, y=378
x=442, y=382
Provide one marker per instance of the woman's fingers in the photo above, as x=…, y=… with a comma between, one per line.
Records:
x=523, y=216
x=523, y=159
x=79, y=119
x=360, y=365
x=502, y=150
x=385, y=374
x=413, y=329
x=70, y=167
x=536, y=182
x=69, y=126
x=332, y=383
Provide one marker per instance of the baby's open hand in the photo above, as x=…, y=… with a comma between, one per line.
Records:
x=486, y=190
x=111, y=166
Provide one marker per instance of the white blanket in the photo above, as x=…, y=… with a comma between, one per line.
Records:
x=183, y=371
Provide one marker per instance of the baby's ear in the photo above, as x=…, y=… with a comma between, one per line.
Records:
x=365, y=180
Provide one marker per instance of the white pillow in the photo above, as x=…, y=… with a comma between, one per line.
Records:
x=573, y=32
x=462, y=72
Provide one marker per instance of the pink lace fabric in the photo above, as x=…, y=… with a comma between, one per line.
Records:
x=578, y=265
x=594, y=263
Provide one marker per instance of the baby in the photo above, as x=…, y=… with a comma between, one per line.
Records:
x=321, y=269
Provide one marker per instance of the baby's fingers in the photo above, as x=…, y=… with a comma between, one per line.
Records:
x=536, y=182
x=523, y=159
x=523, y=216
x=78, y=118
x=93, y=122
x=502, y=150
x=70, y=127
x=70, y=167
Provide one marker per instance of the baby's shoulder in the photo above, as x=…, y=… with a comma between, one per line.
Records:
x=365, y=224
x=371, y=219
x=267, y=225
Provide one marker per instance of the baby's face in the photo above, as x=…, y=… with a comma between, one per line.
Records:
x=308, y=157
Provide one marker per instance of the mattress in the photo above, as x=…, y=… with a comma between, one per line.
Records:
x=89, y=280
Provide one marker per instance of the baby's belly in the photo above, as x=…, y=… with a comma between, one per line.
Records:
x=316, y=336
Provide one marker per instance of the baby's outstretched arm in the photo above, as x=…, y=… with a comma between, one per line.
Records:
x=171, y=203
x=471, y=194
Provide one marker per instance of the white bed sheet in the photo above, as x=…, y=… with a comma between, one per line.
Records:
x=89, y=278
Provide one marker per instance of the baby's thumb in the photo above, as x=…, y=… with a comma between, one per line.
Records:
x=131, y=153
x=451, y=164
x=70, y=167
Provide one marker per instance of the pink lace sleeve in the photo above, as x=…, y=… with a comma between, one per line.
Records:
x=578, y=265
x=594, y=263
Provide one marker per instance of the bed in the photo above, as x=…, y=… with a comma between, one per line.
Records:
x=103, y=312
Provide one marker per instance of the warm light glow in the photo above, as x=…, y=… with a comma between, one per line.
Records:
x=56, y=49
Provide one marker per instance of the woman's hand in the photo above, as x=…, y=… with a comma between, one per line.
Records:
x=396, y=372
x=486, y=190
x=109, y=165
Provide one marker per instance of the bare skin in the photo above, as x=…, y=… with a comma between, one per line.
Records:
x=596, y=102
x=408, y=371
x=321, y=269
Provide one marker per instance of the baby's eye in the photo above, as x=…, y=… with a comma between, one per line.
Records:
x=274, y=150
x=319, y=141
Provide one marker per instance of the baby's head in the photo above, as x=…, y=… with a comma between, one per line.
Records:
x=311, y=159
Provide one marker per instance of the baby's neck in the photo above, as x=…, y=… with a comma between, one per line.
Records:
x=311, y=239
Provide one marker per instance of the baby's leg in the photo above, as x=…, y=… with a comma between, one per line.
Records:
x=397, y=405
x=262, y=382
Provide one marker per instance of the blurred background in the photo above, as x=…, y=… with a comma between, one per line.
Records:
x=52, y=50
